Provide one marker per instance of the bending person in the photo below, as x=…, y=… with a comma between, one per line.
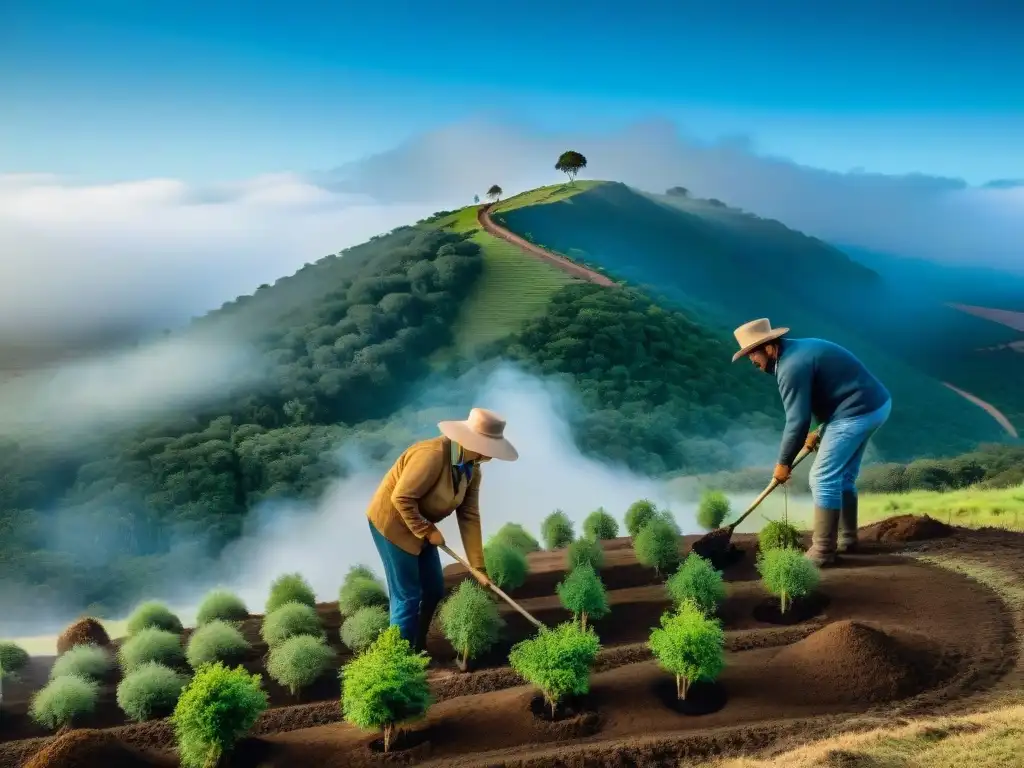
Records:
x=429, y=481
x=821, y=379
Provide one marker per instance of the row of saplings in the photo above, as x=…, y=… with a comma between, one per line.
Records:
x=160, y=676
x=386, y=685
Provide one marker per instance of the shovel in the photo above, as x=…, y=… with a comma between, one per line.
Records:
x=717, y=542
x=493, y=586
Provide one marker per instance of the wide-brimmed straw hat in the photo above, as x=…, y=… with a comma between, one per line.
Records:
x=752, y=335
x=483, y=432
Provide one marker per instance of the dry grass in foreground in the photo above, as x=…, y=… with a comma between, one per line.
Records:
x=993, y=738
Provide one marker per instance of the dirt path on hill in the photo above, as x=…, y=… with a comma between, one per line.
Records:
x=994, y=412
x=484, y=218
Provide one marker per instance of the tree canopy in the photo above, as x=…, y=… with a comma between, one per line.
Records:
x=571, y=163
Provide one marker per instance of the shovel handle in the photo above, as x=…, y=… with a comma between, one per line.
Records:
x=804, y=452
x=494, y=587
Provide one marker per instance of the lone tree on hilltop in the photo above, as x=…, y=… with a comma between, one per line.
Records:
x=677, y=192
x=495, y=193
x=476, y=199
x=570, y=163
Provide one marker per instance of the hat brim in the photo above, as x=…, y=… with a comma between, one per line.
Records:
x=775, y=334
x=494, y=448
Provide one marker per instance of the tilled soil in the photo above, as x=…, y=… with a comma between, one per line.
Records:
x=895, y=634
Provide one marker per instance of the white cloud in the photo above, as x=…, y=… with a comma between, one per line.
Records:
x=154, y=252
x=914, y=215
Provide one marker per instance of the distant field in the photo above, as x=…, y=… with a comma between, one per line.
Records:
x=969, y=508
x=514, y=286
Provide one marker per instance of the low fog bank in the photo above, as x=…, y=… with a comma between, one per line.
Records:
x=322, y=540
x=65, y=403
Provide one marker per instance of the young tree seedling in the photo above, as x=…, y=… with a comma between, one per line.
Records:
x=557, y=661
x=638, y=515
x=600, y=525
x=385, y=686
x=582, y=593
x=698, y=581
x=778, y=534
x=689, y=645
x=557, y=530
x=506, y=566
x=585, y=550
x=657, y=546
x=787, y=574
x=517, y=537
x=470, y=620
x=714, y=508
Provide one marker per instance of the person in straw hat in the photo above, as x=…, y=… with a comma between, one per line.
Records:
x=429, y=481
x=822, y=380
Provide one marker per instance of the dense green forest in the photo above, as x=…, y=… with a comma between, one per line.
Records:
x=348, y=370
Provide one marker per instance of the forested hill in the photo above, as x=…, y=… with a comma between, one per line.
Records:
x=370, y=347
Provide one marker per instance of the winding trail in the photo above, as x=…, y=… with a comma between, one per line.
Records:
x=560, y=262
x=994, y=412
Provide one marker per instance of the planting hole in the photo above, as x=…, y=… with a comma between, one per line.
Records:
x=798, y=611
x=702, y=698
x=566, y=709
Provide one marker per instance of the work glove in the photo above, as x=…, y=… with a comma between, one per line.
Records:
x=782, y=473
x=813, y=441
x=435, y=537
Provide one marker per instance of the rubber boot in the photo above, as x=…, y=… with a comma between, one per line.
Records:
x=848, y=524
x=823, y=543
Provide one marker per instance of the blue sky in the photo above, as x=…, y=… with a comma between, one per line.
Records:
x=203, y=91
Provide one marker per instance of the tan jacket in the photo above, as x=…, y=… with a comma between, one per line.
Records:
x=417, y=492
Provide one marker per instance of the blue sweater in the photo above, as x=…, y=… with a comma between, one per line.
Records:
x=821, y=379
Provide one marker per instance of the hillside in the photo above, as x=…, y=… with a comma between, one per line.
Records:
x=731, y=266
x=365, y=350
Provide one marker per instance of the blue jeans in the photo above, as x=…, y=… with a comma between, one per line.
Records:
x=840, y=455
x=415, y=586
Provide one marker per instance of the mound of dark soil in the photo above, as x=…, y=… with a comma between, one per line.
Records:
x=848, y=661
x=82, y=632
x=906, y=528
x=89, y=749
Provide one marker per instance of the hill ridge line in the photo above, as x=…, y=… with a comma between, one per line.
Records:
x=483, y=217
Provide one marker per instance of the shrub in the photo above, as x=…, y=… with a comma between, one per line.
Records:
x=359, y=571
x=153, y=614
x=363, y=627
x=289, y=588
x=689, y=645
x=361, y=592
x=557, y=661
x=657, y=546
x=221, y=605
x=582, y=593
x=385, y=686
x=516, y=536
x=88, y=661
x=667, y=518
x=778, y=534
x=697, y=581
x=86, y=631
x=470, y=620
x=638, y=515
x=13, y=659
x=787, y=574
x=63, y=700
x=216, y=708
x=151, y=644
x=506, y=566
x=216, y=641
x=289, y=620
x=585, y=551
x=557, y=530
x=299, y=661
x=712, y=510
x=600, y=525
x=150, y=691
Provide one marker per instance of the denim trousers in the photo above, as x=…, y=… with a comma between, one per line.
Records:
x=415, y=586
x=840, y=455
